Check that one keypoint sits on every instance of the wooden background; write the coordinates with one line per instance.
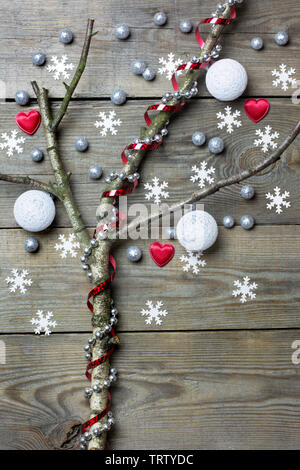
(217, 374)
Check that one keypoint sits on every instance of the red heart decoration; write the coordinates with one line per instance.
(29, 122)
(256, 110)
(161, 254)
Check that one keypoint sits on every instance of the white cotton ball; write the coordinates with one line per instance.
(34, 210)
(226, 80)
(197, 231)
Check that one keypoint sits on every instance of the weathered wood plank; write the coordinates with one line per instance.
(209, 390)
(172, 162)
(35, 26)
(202, 301)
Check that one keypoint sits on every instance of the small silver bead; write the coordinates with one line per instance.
(113, 370)
(215, 55)
(164, 132)
(147, 141)
(94, 243)
(36, 155)
(188, 95)
(138, 67)
(247, 222)
(31, 245)
(113, 321)
(247, 192)
(112, 378)
(205, 56)
(87, 347)
(195, 59)
(282, 38)
(186, 26)
(91, 340)
(88, 356)
(114, 311)
(82, 447)
(149, 74)
(218, 47)
(160, 18)
(38, 58)
(22, 97)
(87, 436)
(65, 36)
(177, 95)
(107, 328)
(216, 145)
(168, 95)
(102, 235)
(88, 392)
(122, 31)
(136, 176)
(122, 175)
(157, 138)
(107, 180)
(257, 43)
(221, 7)
(164, 100)
(96, 432)
(81, 144)
(231, 3)
(198, 138)
(111, 421)
(87, 251)
(118, 96)
(99, 334)
(96, 388)
(106, 383)
(83, 259)
(194, 91)
(95, 172)
(130, 178)
(85, 267)
(82, 440)
(90, 275)
(228, 221)
(109, 414)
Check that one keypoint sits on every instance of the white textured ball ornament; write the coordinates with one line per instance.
(197, 231)
(34, 210)
(226, 80)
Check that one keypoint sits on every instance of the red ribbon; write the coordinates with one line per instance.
(194, 66)
(121, 192)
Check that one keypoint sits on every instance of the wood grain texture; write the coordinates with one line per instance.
(209, 390)
(178, 154)
(202, 301)
(31, 25)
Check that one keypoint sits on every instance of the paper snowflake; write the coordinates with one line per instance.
(67, 246)
(12, 143)
(108, 123)
(43, 322)
(18, 281)
(244, 289)
(156, 190)
(193, 261)
(153, 312)
(266, 139)
(278, 200)
(60, 67)
(202, 174)
(229, 119)
(284, 77)
(169, 66)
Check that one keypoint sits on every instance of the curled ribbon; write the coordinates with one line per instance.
(195, 66)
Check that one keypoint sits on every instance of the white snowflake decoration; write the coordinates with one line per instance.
(202, 174)
(43, 322)
(244, 289)
(67, 246)
(284, 77)
(193, 261)
(60, 67)
(154, 312)
(156, 190)
(169, 65)
(108, 123)
(12, 143)
(278, 200)
(18, 281)
(229, 119)
(266, 139)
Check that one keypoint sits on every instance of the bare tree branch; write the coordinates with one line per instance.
(198, 195)
(77, 75)
(31, 182)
